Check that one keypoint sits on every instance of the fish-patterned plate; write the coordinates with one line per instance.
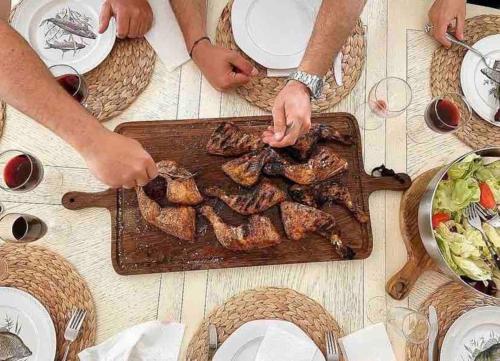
(65, 32)
(27, 332)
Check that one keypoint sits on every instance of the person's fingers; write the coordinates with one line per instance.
(243, 65)
(267, 136)
(130, 184)
(279, 119)
(439, 33)
(134, 28)
(105, 17)
(123, 24)
(151, 169)
(459, 31)
(142, 179)
(237, 79)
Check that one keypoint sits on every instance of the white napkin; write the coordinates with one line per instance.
(280, 345)
(369, 344)
(166, 37)
(150, 341)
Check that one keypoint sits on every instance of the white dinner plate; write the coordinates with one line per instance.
(65, 32)
(27, 325)
(244, 343)
(274, 33)
(471, 333)
(478, 89)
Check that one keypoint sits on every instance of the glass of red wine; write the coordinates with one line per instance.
(16, 227)
(445, 114)
(75, 85)
(21, 171)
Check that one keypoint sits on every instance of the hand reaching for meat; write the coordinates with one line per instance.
(323, 164)
(258, 233)
(246, 169)
(299, 220)
(263, 197)
(230, 141)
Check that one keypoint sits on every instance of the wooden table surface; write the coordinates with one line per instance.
(397, 46)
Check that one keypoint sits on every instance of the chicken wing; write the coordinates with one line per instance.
(263, 197)
(299, 220)
(229, 140)
(258, 233)
(323, 164)
(304, 146)
(246, 169)
(325, 192)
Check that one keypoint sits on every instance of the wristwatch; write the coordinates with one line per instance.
(313, 82)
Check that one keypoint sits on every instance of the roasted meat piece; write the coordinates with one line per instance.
(304, 146)
(246, 169)
(174, 184)
(230, 141)
(299, 220)
(258, 233)
(257, 200)
(323, 164)
(330, 191)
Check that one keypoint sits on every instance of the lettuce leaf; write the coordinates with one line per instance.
(466, 167)
(456, 195)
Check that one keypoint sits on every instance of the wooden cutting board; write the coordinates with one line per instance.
(138, 247)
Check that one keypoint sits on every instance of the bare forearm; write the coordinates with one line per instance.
(334, 24)
(27, 85)
(191, 16)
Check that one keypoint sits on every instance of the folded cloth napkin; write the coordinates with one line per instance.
(166, 37)
(280, 345)
(369, 344)
(150, 341)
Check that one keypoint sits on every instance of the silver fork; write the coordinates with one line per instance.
(474, 219)
(73, 329)
(332, 351)
(213, 341)
(488, 215)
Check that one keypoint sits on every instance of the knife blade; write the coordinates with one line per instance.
(492, 74)
(337, 69)
(433, 334)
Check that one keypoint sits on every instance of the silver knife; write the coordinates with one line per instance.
(433, 334)
(337, 69)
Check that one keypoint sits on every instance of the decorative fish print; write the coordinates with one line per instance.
(12, 348)
(490, 354)
(72, 27)
(65, 46)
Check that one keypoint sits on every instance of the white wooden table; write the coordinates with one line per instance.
(397, 46)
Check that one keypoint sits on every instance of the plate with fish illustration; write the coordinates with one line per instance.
(65, 32)
(474, 336)
(27, 332)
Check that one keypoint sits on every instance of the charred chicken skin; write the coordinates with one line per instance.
(258, 233)
(246, 169)
(317, 195)
(263, 197)
(323, 164)
(299, 220)
(229, 140)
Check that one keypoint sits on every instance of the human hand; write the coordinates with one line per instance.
(444, 15)
(292, 111)
(133, 17)
(119, 161)
(225, 69)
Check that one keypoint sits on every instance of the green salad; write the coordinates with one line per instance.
(462, 246)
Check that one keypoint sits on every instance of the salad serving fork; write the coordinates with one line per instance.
(488, 215)
(472, 214)
(332, 351)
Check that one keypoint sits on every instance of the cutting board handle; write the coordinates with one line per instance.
(81, 200)
(372, 184)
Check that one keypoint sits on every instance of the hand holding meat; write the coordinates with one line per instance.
(133, 17)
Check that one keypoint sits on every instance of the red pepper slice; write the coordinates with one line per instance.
(439, 218)
(487, 199)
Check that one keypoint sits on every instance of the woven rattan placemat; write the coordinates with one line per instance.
(445, 77)
(264, 303)
(262, 90)
(451, 301)
(120, 78)
(56, 284)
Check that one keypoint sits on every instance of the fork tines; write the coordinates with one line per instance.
(332, 353)
(77, 318)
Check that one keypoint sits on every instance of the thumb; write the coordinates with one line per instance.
(105, 17)
(459, 31)
(279, 121)
(243, 65)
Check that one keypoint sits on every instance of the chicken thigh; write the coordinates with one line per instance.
(229, 140)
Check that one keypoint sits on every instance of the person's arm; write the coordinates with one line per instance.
(447, 15)
(335, 21)
(224, 69)
(27, 85)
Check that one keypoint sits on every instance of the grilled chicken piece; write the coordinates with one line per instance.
(246, 169)
(174, 184)
(178, 221)
(304, 146)
(258, 233)
(229, 140)
(263, 197)
(299, 220)
(323, 164)
(317, 195)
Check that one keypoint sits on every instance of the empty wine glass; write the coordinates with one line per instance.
(21, 171)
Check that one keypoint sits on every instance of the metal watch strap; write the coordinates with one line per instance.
(313, 82)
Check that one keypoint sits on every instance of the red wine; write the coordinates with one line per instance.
(73, 85)
(19, 228)
(28, 228)
(442, 116)
(22, 172)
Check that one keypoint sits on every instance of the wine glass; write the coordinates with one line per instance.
(76, 86)
(388, 98)
(16, 227)
(445, 114)
(21, 171)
